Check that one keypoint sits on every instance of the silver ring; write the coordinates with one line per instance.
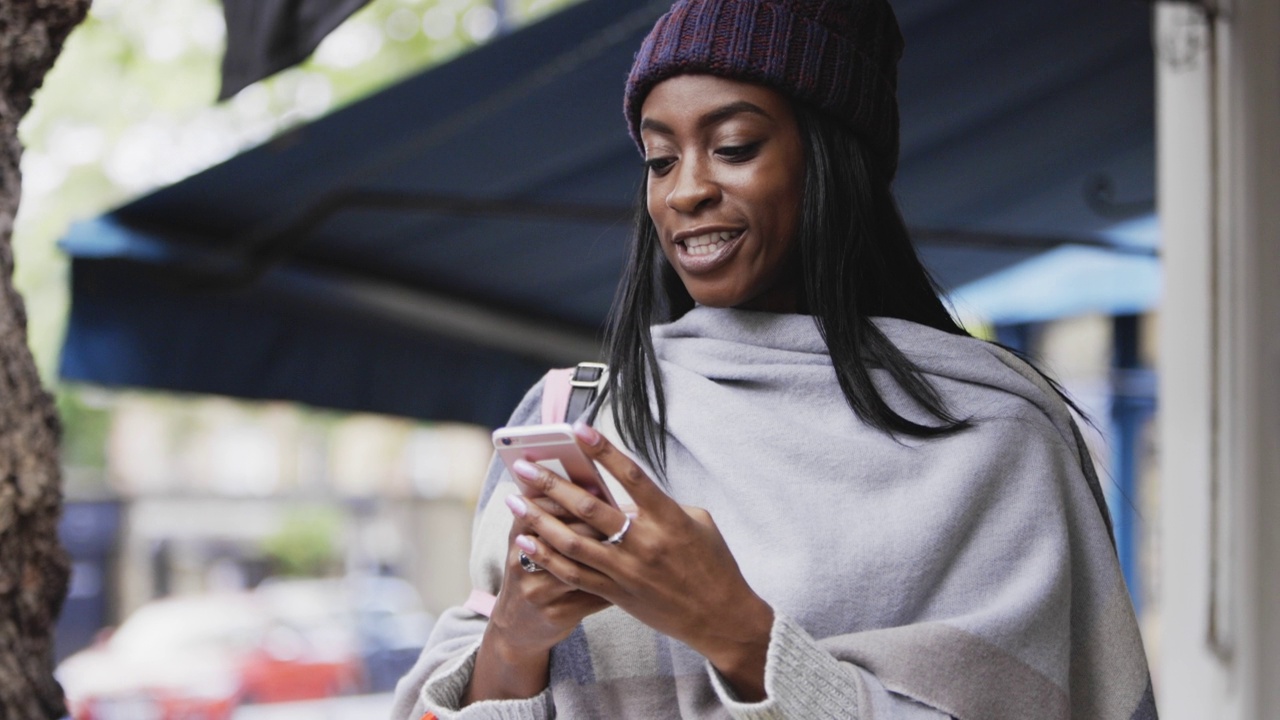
(616, 538)
(528, 564)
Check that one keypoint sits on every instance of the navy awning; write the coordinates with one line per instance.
(430, 250)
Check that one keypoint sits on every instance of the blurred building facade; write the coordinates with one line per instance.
(203, 494)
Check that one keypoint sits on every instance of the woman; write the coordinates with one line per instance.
(844, 506)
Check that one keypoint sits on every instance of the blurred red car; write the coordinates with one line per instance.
(385, 612)
(199, 657)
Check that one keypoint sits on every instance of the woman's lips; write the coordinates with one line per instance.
(707, 251)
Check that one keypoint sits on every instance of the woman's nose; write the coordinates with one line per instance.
(693, 187)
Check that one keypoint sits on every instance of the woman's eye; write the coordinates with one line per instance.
(659, 165)
(739, 153)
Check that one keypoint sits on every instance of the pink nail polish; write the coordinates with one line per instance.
(524, 543)
(517, 505)
(586, 433)
(525, 469)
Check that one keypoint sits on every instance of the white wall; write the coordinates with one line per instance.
(1219, 196)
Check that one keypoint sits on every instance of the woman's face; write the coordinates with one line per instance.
(726, 174)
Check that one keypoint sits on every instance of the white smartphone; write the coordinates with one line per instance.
(553, 447)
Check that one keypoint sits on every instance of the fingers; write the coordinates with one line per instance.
(571, 574)
(578, 503)
(537, 588)
(555, 532)
(540, 591)
(582, 561)
(646, 494)
(553, 508)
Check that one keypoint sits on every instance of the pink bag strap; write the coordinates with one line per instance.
(555, 395)
(481, 603)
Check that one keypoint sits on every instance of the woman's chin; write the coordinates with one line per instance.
(760, 303)
(717, 300)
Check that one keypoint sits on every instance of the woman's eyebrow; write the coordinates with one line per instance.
(714, 117)
(719, 115)
(656, 126)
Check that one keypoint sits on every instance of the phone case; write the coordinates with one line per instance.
(553, 447)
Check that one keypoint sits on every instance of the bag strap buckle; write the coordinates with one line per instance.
(587, 381)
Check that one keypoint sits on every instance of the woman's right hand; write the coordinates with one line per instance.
(533, 612)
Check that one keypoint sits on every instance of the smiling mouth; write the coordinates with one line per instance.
(709, 243)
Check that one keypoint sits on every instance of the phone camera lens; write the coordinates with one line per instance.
(506, 441)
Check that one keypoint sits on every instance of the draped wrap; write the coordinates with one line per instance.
(971, 575)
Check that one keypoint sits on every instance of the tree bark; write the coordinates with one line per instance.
(33, 566)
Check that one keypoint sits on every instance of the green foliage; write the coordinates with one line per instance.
(129, 107)
(87, 446)
(305, 545)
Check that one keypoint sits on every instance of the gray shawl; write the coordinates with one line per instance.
(971, 576)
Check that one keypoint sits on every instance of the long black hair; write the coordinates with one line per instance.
(855, 261)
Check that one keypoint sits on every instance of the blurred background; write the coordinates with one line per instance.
(231, 553)
(281, 326)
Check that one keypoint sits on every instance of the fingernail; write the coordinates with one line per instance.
(586, 433)
(524, 543)
(517, 505)
(525, 469)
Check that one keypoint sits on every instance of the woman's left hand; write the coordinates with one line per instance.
(671, 571)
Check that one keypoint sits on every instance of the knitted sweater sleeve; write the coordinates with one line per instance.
(438, 680)
(803, 680)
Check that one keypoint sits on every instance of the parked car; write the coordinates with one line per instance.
(383, 614)
(199, 657)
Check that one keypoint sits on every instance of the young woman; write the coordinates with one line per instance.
(840, 504)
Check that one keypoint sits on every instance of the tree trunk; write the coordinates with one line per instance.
(33, 567)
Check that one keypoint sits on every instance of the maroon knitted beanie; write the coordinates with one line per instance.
(840, 56)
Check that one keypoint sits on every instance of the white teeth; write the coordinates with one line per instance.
(709, 243)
